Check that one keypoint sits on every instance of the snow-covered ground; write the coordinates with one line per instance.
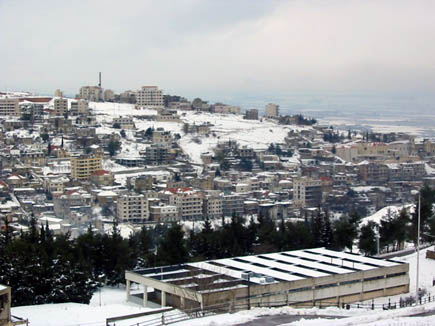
(109, 302)
(255, 133)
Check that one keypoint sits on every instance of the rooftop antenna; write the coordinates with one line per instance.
(99, 84)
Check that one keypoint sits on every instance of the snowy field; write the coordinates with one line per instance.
(225, 127)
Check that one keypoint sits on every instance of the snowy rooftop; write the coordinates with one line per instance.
(265, 268)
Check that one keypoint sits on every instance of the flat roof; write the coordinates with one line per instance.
(268, 268)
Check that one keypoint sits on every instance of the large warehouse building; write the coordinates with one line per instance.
(300, 278)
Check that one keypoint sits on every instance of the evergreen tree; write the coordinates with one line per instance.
(172, 248)
(367, 239)
(345, 232)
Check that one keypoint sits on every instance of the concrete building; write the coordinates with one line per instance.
(164, 213)
(189, 202)
(272, 111)
(307, 192)
(150, 96)
(373, 173)
(91, 93)
(213, 207)
(156, 154)
(251, 114)
(9, 107)
(124, 122)
(132, 208)
(58, 93)
(80, 107)
(127, 97)
(60, 106)
(233, 204)
(82, 167)
(161, 137)
(301, 278)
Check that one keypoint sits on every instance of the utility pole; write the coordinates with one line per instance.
(418, 245)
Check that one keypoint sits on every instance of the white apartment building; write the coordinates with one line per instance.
(150, 96)
(133, 208)
(188, 201)
(272, 111)
(80, 107)
(60, 106)
(9, 107)
(307, 192)
(164, 213)
(91, 93)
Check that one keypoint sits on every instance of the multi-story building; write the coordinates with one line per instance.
(272, 111)
(156, 154)
(102, 178)
(124, 122)
(127, 97)
(251, 114)
(213, 206)
(188, 201)
(91, 93)
(150, 96)
(307, 192)
(57, 184)
(60, 106)
(164, 213)
(80, 107)
(162, 137)
(132, 208)
(82, 167)
(58, 93)
(9, 107)
(224, 108)
(232, 205)
(373, 173)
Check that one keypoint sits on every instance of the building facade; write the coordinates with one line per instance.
(91, 93)
(150, 96)
(307, 192)
(132, 208)
(84, 166)
(60, 106)
(272, 111)
(9, 107)
(188, 201)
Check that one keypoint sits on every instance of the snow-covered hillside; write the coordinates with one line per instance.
(255, 133)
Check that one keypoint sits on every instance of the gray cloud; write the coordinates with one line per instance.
(219, 47)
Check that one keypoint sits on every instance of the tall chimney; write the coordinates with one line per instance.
(99, 84)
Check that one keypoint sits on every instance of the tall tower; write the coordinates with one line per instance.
(99, 83)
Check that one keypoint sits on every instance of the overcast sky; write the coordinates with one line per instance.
(220, 47)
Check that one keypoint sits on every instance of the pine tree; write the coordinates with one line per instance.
(172, 248)
(367, 239)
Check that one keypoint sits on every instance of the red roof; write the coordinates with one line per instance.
(101, 172)
(36, 99)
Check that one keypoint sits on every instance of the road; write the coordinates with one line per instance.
(275, 320)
